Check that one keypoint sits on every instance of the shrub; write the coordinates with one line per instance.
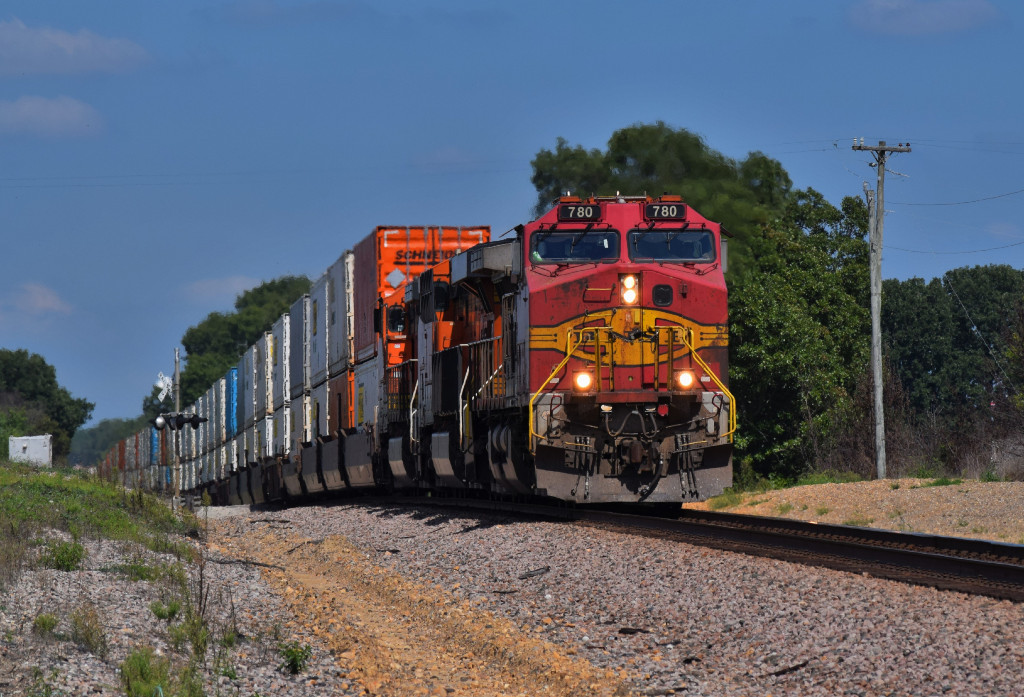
(63, 556)
(165, 612)
(296, 657)
(44, 624)
(87, 629)
(142, 672)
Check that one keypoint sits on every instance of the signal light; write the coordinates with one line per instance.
(630, 289)
(176, 422)
(685, 379)
(582, 381)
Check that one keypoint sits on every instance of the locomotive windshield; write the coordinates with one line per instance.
(672, 245)
(574, 246)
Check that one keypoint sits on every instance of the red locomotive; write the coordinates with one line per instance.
(584, 359)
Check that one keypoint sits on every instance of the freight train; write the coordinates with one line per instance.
(582, 359)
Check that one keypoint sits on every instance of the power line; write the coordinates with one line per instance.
(960, 203)
(977, 331)
(971, 251)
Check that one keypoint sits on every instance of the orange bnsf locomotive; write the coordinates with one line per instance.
(583, 360)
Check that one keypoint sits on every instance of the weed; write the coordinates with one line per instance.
(296, 657)
(136, 570)
(727, 499)
(756, 502)
(961, 523)
(87, 629)
(784, 508)
(803, 507)
(859, 521)
(828, 477)
(44, 624)
(192, 632)
(63, 556)
(142, 672)
(990, 475)
(822, 510)
(40, 687)
(894, 486)
(979, 530)
(896, 513)
(943, 481)
(190, 682)
(165, 612)
(924, 471)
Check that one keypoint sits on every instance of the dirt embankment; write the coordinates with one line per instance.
(982, 510)
(396, 637)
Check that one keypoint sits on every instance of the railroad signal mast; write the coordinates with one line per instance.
(877, 218)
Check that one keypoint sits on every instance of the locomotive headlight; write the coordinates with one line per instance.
(629, 289)
(685, 379)
(582, 381)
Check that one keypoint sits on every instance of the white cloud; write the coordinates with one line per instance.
(34, 51)
(41, 116)
(219, 292)
(35, 299)
(920, 17)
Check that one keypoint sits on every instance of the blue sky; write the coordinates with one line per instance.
(158, 158)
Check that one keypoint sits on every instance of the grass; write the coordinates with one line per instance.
(87, 506)
(165, 612)
(136, 570)
(859, 521)
(63, 556)
(784, 508)
(822, 510)
(33, 500)
(942, 481)
(727, 499)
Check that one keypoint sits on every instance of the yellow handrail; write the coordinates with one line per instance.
(582, 336)
(707, 370)
(568, 355)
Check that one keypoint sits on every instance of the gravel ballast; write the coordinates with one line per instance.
(627, 614)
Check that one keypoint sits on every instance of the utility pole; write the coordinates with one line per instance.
(177, 434)
(876, 219)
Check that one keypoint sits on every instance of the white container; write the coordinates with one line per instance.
(339, 281)
(246, 389)
(298, 352)
(280, 363)
(319, 329)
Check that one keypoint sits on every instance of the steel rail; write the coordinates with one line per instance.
(976, 567)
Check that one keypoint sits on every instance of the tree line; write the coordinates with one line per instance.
(799, 321)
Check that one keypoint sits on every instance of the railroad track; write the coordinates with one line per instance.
(970, 566)
(976, 567)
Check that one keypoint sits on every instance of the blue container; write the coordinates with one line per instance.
(154, 447)
(231, 408)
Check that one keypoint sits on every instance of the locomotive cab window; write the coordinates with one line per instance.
(574, 246)
(672, 245)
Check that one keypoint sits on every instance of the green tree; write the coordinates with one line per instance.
(29, 384)
(799, 328)
(13, 422)
(215, 344)
(655, 158)
(946, 339)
